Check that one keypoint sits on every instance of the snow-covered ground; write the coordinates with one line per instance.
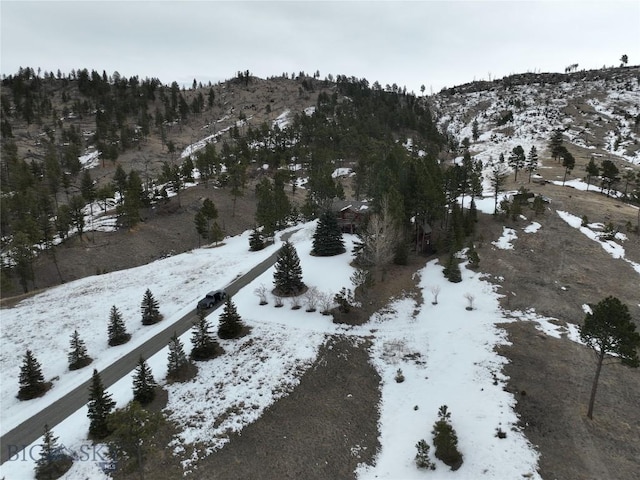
(537, 110)
(446, 354)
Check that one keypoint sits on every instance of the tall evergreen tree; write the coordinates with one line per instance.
(568, 162)
(555, 144)
(117, 332)
(53, 462)
(99, 407)
(177, 361)
(287, 277)
(609, 330)
(150, 312)
(532, 161)
(78, 357)
(517, 160)
(452, 270)
(231, 325)
(592, 171)
(32, 382)
(255, 240)
(144, 386)
(327, 239)
(216, 233)
(205, 346)
(497, 178)
(202, 226)
(609, 173)
(120, 182)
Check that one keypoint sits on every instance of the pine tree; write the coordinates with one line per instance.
(555, 144)
(32, 382)
(445, 440)
(117, 329)
(287, 277)
(230, 321)
(609, 330)
(204, 345)
(133, 431)
(99, 407)
(53, 462)
(422, 457)
(452, 270)
(255, 241)
(216, 233)
(144, 386)
(149, 307)
(327, 239)
(177, 362)
(532, 161)
(78, 357)
(517, 159)
(592, 171)
(202, 226)
(473, 257)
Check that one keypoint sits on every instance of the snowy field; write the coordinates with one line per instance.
(446, 354)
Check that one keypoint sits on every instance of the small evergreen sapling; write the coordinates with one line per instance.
(133, 431)
(150, 312)
(177, 363)
(99, 407)
(204, 345)
(53, 462)
(32, 382)
(78, 357)
(255, 240)
(445, 440)
(144, 386)
(452, 270)
(117, 331)
(422, 457)
(231, 325)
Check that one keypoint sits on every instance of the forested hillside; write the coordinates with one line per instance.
(81, 143)
(88, 153)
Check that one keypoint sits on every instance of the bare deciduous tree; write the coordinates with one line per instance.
(380, 239)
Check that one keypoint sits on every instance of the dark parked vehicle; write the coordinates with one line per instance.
(211, 299)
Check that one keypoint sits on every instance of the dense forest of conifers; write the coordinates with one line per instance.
(46, 189)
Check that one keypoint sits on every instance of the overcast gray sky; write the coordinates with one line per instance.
(435, 43)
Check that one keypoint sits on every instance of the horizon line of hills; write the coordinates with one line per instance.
(511, 79)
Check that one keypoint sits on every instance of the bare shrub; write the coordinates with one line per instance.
(312, 297)
(326, 303)
(278, 301)
(295, 302)
(435, 291)
(470, 298)
(261, 292)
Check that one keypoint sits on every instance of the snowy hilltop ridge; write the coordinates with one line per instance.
(597, 111)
